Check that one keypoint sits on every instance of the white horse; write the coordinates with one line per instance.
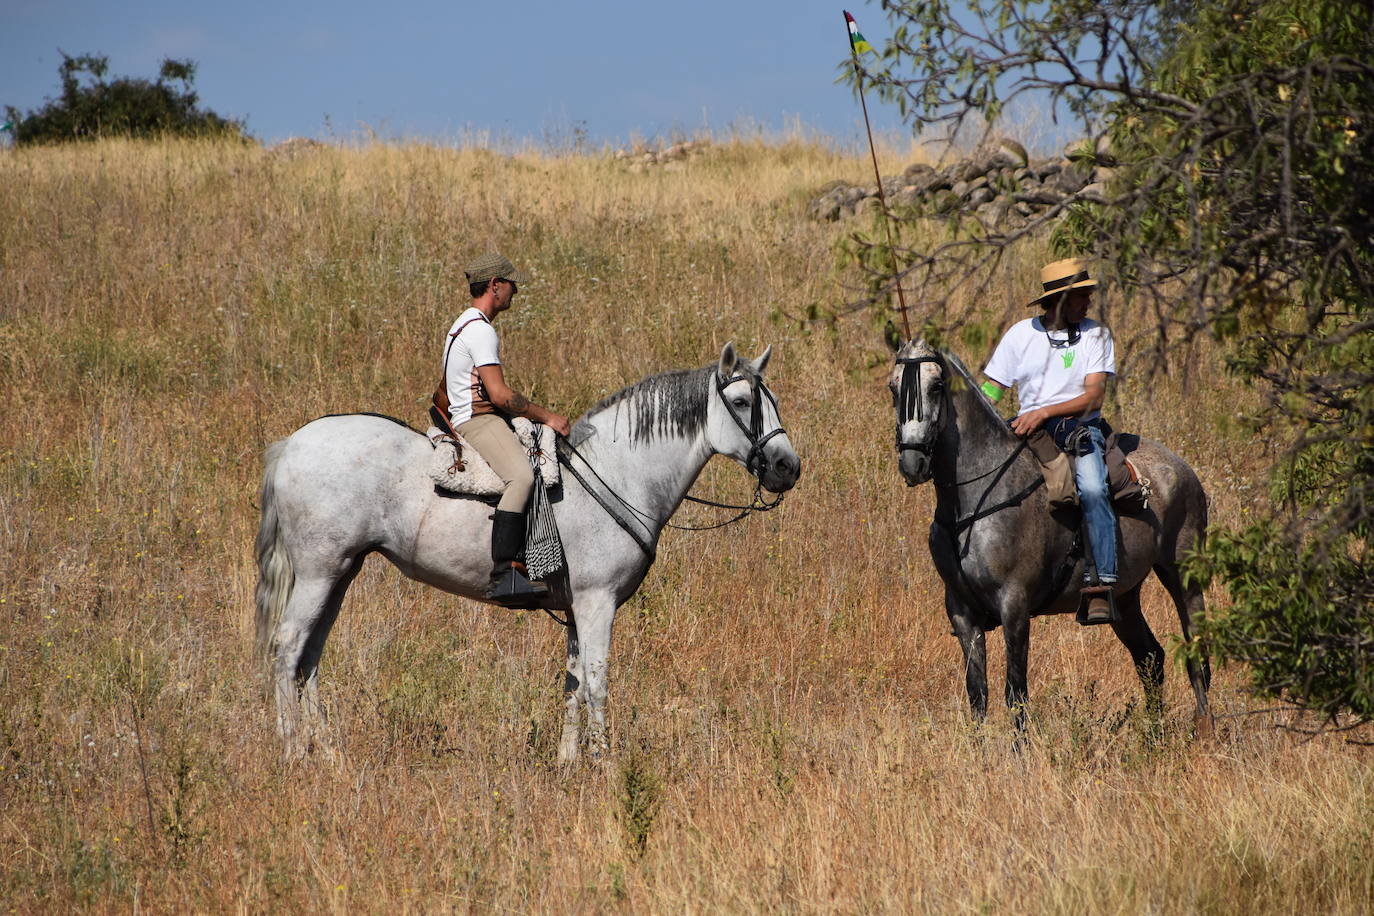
(342, 487)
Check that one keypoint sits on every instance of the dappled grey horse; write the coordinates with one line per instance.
(1004, 558)
(343, 487)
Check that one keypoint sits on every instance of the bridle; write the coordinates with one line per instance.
(911, 405)
(910, 400)
(754, 463)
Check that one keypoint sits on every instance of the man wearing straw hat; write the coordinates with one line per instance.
(1059, 362)
(479, 401)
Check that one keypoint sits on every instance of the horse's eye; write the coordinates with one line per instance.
(741, 402)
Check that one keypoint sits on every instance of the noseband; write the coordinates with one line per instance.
(754, 462)
(910, 400)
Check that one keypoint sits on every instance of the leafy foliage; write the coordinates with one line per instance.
(1239, 206)
(1303, 623)
(120, 107)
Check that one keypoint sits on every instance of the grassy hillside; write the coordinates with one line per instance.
(787, 705)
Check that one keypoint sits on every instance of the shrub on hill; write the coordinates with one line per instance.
(124, 106)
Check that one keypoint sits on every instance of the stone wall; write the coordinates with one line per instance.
(999, 183)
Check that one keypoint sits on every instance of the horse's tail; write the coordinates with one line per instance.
(275, 575)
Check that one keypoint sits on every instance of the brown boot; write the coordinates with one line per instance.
(1099, 609)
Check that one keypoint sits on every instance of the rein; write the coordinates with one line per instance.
(753, 462)
(999, 470)
(565, 450)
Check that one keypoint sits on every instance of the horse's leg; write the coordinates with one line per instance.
(974, 643)
(293, 660)
(595, 615)
(573, 695)
(1146, 653)
(308, 668)
(1189, 601)
(303, 608)
(1016, 636)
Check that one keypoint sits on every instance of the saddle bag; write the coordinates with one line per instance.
(1130, 492)
(439, 414)
(1058, 470)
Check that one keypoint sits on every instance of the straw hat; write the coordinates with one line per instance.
(1062, 276)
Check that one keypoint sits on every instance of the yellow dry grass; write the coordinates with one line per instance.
(787, 706)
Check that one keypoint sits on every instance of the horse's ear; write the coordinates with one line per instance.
(891, 337)
(728, 360)
(760, 362)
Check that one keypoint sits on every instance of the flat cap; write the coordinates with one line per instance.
(490, 266)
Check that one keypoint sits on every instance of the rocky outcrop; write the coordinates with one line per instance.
(999, 183)
(672, 157)
(294, 148)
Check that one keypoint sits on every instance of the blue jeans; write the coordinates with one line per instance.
(1090, 473)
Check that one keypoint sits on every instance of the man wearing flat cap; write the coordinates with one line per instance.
(480, 402)
(1059, 362)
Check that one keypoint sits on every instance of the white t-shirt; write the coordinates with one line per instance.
(476, 345)
(1045, 374)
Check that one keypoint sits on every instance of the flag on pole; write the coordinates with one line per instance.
(856, 39)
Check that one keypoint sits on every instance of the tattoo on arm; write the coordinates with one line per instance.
(517, 403)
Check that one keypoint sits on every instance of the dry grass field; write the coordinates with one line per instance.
(787, 706)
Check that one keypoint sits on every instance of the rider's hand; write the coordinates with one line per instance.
(1029, 421)
(559, 423)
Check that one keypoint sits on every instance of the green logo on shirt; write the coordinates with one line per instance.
(1068, 358)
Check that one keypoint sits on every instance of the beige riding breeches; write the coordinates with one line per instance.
(496, 443)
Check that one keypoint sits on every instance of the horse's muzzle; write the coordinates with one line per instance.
(781, 474)
(914, 465)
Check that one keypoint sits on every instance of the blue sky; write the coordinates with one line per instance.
(448, 71)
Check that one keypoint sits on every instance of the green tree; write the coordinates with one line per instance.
(1240, 202)
(123, 106)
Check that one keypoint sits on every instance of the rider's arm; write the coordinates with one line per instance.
(515, 403)
(1092, 398)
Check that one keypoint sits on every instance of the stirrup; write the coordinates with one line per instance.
(1097, 605)
(510, 588)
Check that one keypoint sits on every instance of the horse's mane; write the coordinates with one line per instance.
(974, 388)
(670, 403)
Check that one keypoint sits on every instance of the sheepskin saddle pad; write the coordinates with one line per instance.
(475, 477)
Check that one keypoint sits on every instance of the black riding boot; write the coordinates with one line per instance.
(509, 586)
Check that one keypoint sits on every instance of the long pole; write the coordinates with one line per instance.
(882, 195)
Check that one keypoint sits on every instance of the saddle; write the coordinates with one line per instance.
(542, 553)
(459, 468)
(1130, 491)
